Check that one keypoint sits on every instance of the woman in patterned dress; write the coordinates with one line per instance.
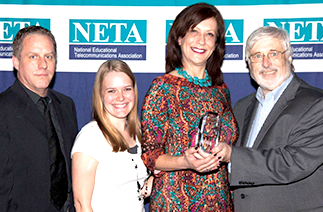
(188, 179)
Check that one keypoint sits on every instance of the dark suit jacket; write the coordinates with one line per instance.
(24, 156)
(283, 171)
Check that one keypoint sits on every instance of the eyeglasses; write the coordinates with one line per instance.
(271, 55)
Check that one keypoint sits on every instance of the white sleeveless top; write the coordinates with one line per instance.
(115, 186)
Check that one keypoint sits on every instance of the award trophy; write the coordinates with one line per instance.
(208, 131)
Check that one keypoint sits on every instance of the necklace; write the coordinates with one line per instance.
(138, 184)
(206, 82)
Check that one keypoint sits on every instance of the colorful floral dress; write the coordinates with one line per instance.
(170, 117)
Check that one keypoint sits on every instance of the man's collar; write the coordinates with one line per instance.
(34, 97)
(276, 93)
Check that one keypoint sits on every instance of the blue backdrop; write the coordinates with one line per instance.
(79, 87)
(76, 77)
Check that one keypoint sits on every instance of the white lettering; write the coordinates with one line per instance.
(86, 34)
(98, 32)
(232, 33)
(295, 30)
(318, 54)
(314, 29)
(4, 26)
(23, 24)
(130, 56)
(136, 35)
(118, 31)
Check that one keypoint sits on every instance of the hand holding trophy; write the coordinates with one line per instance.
(208, 133)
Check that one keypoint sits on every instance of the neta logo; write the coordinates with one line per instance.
(233, 30)
(108, 31)
(300, 29)
(10, 26)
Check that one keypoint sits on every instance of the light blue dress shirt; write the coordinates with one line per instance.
(266, 104)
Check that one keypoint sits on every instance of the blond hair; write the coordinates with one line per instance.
(111, 133)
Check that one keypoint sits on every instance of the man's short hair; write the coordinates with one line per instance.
(268, 31)
(31, 30)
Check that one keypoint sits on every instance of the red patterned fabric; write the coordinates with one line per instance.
(170, 116)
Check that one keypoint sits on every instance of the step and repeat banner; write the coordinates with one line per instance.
(90, 32)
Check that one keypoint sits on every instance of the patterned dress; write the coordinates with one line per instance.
(170, 117)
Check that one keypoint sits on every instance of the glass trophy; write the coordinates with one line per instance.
(208, 131)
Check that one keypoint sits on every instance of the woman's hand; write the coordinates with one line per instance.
(201, 154)
(223, 150)
(193, 158)
(147, 187)
(201, 161)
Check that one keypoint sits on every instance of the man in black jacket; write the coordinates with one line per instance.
(37, 130)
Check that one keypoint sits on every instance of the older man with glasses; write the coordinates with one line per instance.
(277, 163)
